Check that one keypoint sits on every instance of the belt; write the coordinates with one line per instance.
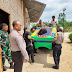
(57, 44)
(15, 51)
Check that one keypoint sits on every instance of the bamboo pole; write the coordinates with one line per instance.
(1, 67)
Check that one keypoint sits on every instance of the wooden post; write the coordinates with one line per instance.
(24, 13)
(1, 66)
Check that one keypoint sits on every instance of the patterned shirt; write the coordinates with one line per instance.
(4, 38)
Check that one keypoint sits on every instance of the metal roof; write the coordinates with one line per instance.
(35, 9)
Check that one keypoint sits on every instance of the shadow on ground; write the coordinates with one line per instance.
(41, 57)
(69, 42)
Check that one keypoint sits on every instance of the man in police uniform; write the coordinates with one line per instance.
(18, 47)
(57, 48)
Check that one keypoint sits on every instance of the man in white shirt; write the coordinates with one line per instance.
(18, 47)
(53, 22)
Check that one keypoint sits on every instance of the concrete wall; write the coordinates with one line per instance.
(27, 19)
(14, 8)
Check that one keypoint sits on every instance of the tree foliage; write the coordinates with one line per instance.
(64, 23)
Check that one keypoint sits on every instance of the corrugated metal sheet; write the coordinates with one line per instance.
(35, 9)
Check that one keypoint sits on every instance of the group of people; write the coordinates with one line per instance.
(16, 47)
(57, 42)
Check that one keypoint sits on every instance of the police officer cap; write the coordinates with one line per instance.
(61, 28)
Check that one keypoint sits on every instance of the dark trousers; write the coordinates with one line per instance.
(17, 58)
(30, 52)
(35, 50)
(56, 54)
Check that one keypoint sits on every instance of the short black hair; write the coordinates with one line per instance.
(53, 16)
(4, 24)
(14, 23)
(32, 29)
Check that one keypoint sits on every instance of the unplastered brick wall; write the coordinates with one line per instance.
(14, 8)
(27, 19)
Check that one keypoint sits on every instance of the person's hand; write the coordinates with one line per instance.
(33, 39)
(27, 59)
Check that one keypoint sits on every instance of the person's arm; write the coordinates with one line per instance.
(37, 25)
(54, 39)
(22, 47)
(62, 38)
(0, 36)
(42, 25)
(56, 24)
(0, 41)
(30, 38)
(51, 25)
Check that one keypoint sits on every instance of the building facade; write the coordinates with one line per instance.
(14, 10)
(21, 10)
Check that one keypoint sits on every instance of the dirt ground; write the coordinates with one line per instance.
(44, 60)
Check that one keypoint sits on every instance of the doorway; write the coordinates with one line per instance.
(4, 18)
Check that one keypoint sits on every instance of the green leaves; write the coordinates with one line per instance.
(64, 23)
(70, 37)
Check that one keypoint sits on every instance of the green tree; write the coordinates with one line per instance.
(47, 24)
(66, 24)
(61, 19)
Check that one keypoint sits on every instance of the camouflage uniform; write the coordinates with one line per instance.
(5, 45)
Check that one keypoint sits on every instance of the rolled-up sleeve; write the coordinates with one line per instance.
(22, 46)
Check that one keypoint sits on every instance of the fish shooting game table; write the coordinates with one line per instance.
(43, 37)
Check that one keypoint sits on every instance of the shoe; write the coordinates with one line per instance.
(11, 65)
(33, 61)
(4, 68)
(55, 67)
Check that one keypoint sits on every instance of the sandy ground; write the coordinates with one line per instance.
(44, 60)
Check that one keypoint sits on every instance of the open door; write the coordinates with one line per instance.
(4, 18)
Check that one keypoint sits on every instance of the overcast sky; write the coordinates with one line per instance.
(54, 7)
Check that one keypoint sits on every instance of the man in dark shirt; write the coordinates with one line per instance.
(29, 47)
(35, 50)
